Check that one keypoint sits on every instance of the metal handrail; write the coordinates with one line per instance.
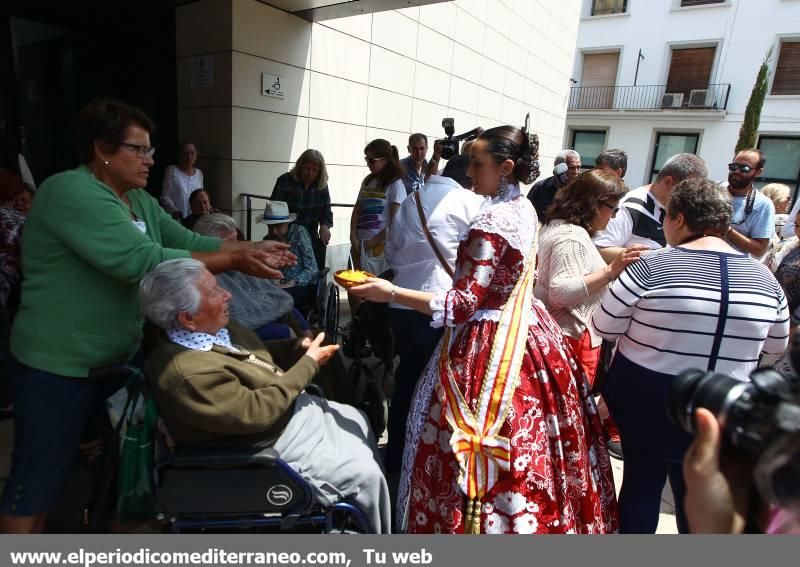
(248, 201)
(651, 97)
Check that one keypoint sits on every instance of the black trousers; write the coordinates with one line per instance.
(416, 341)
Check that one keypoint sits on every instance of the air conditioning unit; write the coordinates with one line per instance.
(672, 100)
(698, 98)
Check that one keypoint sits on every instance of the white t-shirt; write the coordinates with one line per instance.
(178, 187)
(449, 209)
(375, 205)
(639, 221)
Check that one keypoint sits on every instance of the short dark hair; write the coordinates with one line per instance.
(416, 137)
(613, 158)
(577, 203)
(762, 157)
(195, 193)
(381, 148)
(704, 205)
(105, 121)
(456, 169)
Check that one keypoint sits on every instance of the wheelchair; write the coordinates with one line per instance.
(324, 314)
(203, 489)
(200, 489)
(373, 383)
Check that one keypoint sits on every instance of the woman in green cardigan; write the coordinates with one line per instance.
(91, 236)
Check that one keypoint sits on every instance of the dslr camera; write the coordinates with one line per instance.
(450, 143)
(759, 423)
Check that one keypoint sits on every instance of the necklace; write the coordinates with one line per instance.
(750, 201)
(125, 202)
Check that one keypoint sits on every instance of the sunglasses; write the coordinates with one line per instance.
(370, 161)
(741, 167)
(612, 207)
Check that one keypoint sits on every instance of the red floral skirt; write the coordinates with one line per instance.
(560, 479)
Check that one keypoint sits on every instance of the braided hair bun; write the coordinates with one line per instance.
(526, 168)
(517, 145)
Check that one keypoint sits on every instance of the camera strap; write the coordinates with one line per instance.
(428, 235)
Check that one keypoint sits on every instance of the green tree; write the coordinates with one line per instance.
(748, 133)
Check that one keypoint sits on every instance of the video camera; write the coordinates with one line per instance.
(759, 421)
(450, 144)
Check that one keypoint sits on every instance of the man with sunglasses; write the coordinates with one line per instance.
(753, 219)
(642, 210)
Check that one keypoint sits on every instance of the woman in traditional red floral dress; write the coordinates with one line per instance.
(503, 436)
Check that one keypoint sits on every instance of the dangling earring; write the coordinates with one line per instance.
(502, 187)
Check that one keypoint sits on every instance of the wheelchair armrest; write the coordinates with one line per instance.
(208, 457)
(323, 273)
(315, 390)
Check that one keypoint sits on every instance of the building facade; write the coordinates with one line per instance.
(348, 80)
(659, 77)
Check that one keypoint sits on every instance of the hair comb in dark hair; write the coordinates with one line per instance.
(530, 152)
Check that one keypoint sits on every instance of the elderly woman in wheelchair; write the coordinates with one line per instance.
(217, 386)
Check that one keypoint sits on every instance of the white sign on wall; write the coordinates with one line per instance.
(271, 86)
(202, 72)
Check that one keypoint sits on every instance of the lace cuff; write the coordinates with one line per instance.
(442, 308)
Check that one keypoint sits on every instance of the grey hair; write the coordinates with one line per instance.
(683, 166)
(170, 289)
(217, 225)
(561, 157)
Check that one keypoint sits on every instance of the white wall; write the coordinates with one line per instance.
(348, 81)
(744, 31)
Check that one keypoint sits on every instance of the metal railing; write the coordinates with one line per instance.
(650, 97)
(248, 207)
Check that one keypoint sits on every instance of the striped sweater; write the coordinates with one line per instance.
(681, 308)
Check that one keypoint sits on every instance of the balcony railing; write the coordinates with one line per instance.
(650, 97)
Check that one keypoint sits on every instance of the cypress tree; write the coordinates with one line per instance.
(752, 115)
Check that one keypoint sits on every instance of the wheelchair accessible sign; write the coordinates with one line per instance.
(271, 86)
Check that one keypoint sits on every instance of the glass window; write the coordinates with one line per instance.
(783, 161)
(603, 7)
(685, 3)
(589, 144)
(667, 145)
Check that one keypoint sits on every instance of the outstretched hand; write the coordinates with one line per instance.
(321, 354)
(279, 251)
(626, 257)
(258, 263)
(376, 290)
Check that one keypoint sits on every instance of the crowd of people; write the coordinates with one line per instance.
(536, 336)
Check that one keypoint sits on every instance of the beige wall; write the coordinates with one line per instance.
(347, 81)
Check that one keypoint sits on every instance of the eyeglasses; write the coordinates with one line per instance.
(370, 161)
(141, 150)
(614, 209)
(740, 166)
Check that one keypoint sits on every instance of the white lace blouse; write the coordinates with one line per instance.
(566, 255)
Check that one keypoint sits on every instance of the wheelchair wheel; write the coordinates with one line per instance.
(331, 314)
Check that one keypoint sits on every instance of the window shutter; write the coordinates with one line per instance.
(690, 69)
(787, 72)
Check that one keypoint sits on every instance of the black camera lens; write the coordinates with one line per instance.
(695, 388)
